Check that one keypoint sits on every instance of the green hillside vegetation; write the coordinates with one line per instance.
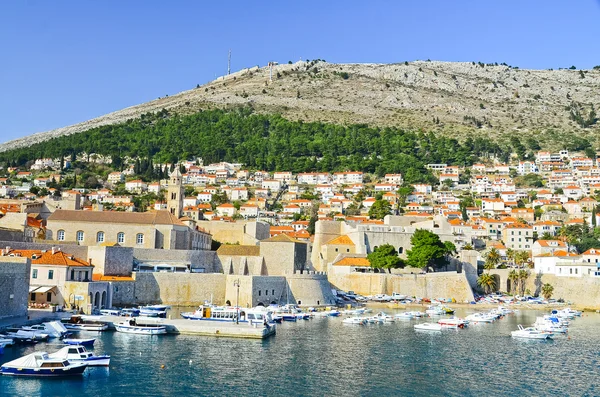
(266, 142)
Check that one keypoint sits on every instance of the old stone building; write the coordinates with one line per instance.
(156, 229)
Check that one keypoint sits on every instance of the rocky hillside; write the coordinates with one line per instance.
(448, 97)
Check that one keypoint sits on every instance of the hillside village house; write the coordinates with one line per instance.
(62, 279)
(518, 236)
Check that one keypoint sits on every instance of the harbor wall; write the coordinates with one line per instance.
(431, 285)
(310, 289)
(583, 292)
(197, 258)
(14, 286)
(179, 289)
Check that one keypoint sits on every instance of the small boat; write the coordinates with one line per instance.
(354, 321)
(82, 342)
(6, 341)
(110, 312)
(428, 327)
(435, 310)
(230, 314)
(531, 333)
(385, 317)
(132, 327)
(40, 364)
(23, 336)
(54, 329)
(453, 322)
(78, 354)
(84, 323)
(404, 316)
(130, 312)
(549, 326)
(16, 338)
(480, 318)
(417, 314)
(154, 311)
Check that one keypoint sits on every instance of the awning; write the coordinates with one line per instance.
(41, 290)
(33, 288)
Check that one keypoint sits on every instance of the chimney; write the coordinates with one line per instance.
(53, 250)
(90, 260)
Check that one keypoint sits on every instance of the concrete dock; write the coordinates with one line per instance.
(204, 328)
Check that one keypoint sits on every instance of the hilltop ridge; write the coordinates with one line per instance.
(448, 97)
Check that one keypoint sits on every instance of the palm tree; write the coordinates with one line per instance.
(468, 247)
(510, 255)
(492, 259)
(521, 257)
(523, 276)
(487, 282)
(513, 277)
(547, 291)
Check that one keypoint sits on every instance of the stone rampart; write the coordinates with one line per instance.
(310, 289)
(198, 259)
(432, 285)
(14, 286)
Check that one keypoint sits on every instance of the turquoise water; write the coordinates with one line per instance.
(322, 357)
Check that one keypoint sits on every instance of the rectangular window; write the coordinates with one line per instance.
(50, 274)
(33, 296)
(34, 273)
(49, 297)
(72, 274)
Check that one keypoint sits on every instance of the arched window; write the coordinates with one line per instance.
(60, 235)
(100, 237)
(120, 237)
(139, 239)
(80, 236)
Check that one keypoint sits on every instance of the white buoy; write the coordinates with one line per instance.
(190, 362)
(140, 354)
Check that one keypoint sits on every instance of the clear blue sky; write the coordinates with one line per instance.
(66, 61)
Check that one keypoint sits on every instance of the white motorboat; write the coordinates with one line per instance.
(78, 354)
(110, 312)
(531, 333)
(154, 310)
(453, 322)
(549, 326)
(428, 327)
(6, 341)
(40, 364)
(354, 321)
(418, 314)
(404, 316)
(132, 327)
(24, 334)
(54, 329)
(231, 314)
(480, 318)
(385, 317)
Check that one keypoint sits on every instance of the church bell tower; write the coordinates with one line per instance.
(175, 193)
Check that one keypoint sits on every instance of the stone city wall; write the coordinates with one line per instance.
(310, 289)
(432, 285)
(584, 291)
(198, 259)
(14, 286)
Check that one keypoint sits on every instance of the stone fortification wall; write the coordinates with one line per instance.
(255, 290)
(111, 261)
(241, 265)
(78, 250)
(8, 236)
(584, 292)
(240, 232)
(310, 289)
(198, 259)
(432, 285)
(14, 286)
(180, 289)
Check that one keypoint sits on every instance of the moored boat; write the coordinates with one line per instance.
(82, 342)
(354, 321)
(40, 364)
(531, 333)
(84, 323)
(54, 329)
(78, 354)
(229, 314)
(132, 327)
(428, 327)
(154, 310)
(404, 316)
(453, 322)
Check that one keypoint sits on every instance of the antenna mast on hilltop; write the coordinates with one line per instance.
(229, 63)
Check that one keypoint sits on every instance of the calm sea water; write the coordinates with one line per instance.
(323, 357)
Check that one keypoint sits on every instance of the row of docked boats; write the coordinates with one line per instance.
(547, 326)
(457, 323)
